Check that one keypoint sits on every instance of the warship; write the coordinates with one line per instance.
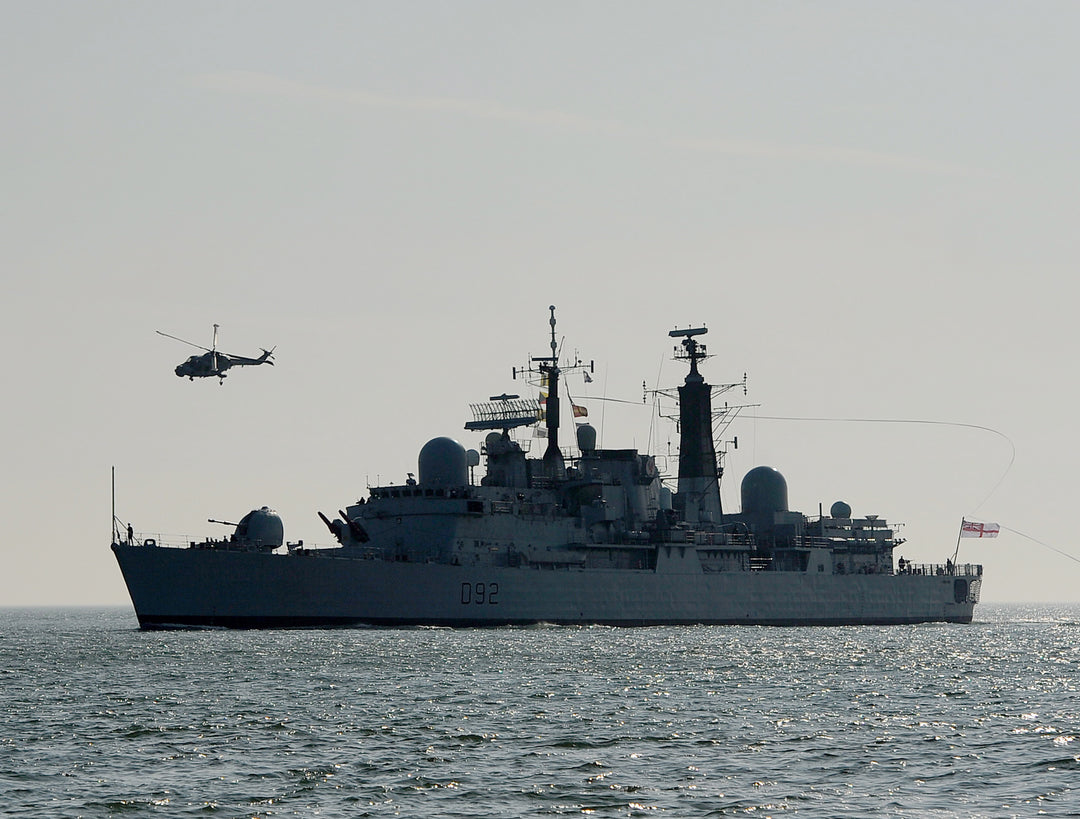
(583, 536)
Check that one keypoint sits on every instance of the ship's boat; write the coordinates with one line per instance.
(583, 536)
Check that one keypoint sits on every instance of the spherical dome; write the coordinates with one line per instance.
(586, 437)
(840, 510)
(261, 527)
(443, 462)
(496, 443)
(764, 490)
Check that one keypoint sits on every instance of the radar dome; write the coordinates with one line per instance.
(586, 438)
(764, 490)
(261, 527)
(840, 510)
(496, 443)
(443, 462)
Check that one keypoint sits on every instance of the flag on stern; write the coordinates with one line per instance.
(970, 528)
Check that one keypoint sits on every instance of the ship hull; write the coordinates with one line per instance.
(178, 588)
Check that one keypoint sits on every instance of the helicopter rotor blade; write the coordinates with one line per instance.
(183, 341)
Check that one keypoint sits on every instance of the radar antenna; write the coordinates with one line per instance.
(693, 350)
(504, 412)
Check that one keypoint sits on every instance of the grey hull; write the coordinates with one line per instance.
(219, 588)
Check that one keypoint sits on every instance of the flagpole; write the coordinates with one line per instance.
(958, 536)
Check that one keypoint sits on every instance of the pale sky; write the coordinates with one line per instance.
(872, 206)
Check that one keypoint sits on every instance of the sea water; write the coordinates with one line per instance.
(98, 718)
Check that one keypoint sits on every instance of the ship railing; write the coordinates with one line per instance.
(834, 542)
(818, 542)
(942, 569)
(173, 541)
(729, 540)
(158, 539)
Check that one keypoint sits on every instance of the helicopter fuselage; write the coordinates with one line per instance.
(203, 366)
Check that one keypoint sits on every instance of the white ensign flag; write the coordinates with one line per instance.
(972, 529)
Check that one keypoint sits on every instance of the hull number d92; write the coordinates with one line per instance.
(480, 594)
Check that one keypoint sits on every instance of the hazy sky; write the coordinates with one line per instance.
(873, 207)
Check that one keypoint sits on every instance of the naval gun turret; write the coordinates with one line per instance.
(259, 530)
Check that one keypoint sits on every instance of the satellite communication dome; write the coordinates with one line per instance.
(586, 437)
(764, 490)
(443, 462)
(261, 527)
(840, 510)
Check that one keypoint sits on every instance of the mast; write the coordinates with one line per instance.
(699, 484)
(554, 466)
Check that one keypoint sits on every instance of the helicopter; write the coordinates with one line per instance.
(212, 363)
